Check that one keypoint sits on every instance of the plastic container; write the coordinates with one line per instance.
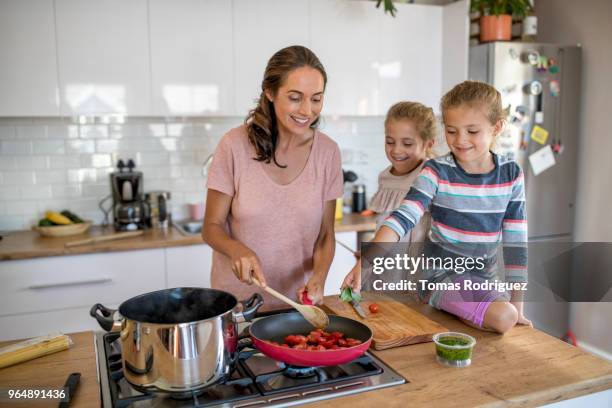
(454, 349)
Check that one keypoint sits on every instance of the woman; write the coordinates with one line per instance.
(272, 188)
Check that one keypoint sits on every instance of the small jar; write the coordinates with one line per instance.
(359, 198)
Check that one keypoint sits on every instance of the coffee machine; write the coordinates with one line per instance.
(129, 210)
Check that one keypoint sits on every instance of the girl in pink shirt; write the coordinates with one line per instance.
(272, 188)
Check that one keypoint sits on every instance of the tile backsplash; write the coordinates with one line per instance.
(55, 164)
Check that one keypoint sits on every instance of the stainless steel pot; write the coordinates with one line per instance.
(177, 340)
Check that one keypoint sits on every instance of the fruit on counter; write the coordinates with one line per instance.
(72, 216)
(373, 308)
(57, 218)
(64, 218)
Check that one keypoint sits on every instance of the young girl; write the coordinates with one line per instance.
(476, 199)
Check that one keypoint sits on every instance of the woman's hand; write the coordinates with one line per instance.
(313, 291)
(246, 265)
(353, 279)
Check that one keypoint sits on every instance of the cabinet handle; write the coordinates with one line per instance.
(73, 283)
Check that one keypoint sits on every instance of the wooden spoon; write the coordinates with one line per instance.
(313, 314)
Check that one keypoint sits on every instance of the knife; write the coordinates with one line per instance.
(71, 384)
(358, 309)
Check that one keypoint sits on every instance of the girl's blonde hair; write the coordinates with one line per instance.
(475, 94)
(422, 116)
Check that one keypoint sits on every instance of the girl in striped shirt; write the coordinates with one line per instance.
(477, 201)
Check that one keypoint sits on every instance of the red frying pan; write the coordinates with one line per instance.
(277, 327)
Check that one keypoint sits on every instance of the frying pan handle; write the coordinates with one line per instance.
(104, 316)
(249, 307)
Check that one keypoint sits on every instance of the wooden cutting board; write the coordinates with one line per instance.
(394, 325)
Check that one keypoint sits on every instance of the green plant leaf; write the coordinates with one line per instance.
(347, 295)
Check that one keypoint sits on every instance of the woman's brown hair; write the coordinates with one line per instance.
(422, 116)
(261, 121)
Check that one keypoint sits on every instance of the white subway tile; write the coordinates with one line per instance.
(82, 176)
(66, 191)
(7, 163)
(139, 145)
(179, 130)
(93, 131)
(32, 162)
(95, 160)
(14, 178)
(29, 132)
(80, 146)
(36, 193)
(192, 143)
(125, 131)
(10, 193)
(7, 132)
(155, 130)
(102, 174)
(49, 147)
(152, 159)
(181, 158)
(12, 223)
(107, 146)
(15, 147)
(20, 207)
(63, 131)
(196, 197)
(168, 144)
(65, 162)
(56, 204)
(96, 190)
(50, 177)
(192, 171)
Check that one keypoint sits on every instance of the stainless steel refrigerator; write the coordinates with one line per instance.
(540, 87)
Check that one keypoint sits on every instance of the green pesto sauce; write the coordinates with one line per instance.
(453, 354)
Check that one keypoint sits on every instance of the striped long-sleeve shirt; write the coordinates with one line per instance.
(470, 209)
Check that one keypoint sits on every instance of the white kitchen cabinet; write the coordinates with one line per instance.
(103, 53)
(191, 57)
(345, 35)
(410, 64)
(188, 266)
(342, 264)
(40, 293)
(28, 72)
(260, 29)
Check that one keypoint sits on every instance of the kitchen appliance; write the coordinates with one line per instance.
(177, 340)
(359, 198)
(257, 380)
(129, 210)
(540, 87)
(394, 325)
(158, 209)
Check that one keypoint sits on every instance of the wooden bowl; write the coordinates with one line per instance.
(63, 230)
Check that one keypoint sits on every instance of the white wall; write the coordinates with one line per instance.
(55, 164)
(588, 23)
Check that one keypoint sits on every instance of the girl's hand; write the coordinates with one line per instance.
(246, 265)
(521, 317)
(353, 279)
(313, 291)
(524, 321)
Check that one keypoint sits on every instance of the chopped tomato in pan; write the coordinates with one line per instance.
(318, 340)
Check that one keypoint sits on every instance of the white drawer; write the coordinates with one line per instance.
(62, 282)
(38, 324)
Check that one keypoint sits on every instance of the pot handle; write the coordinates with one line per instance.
(249, 308)
(103, 315)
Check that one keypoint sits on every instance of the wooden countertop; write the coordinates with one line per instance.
(51, 372)
(29, 244)
(525, 367)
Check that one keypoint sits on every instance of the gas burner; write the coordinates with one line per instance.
(256, 380)
(299, 372)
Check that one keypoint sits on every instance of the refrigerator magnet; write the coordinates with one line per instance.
(539, 134)
(555, 88)
(541, 160)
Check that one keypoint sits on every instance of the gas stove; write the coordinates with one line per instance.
(256, 381)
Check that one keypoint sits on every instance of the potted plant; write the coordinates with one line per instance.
(496, 17)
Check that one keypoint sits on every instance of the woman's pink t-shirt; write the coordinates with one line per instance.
(280, 223)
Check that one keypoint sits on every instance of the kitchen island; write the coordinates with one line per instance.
(525, 367)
